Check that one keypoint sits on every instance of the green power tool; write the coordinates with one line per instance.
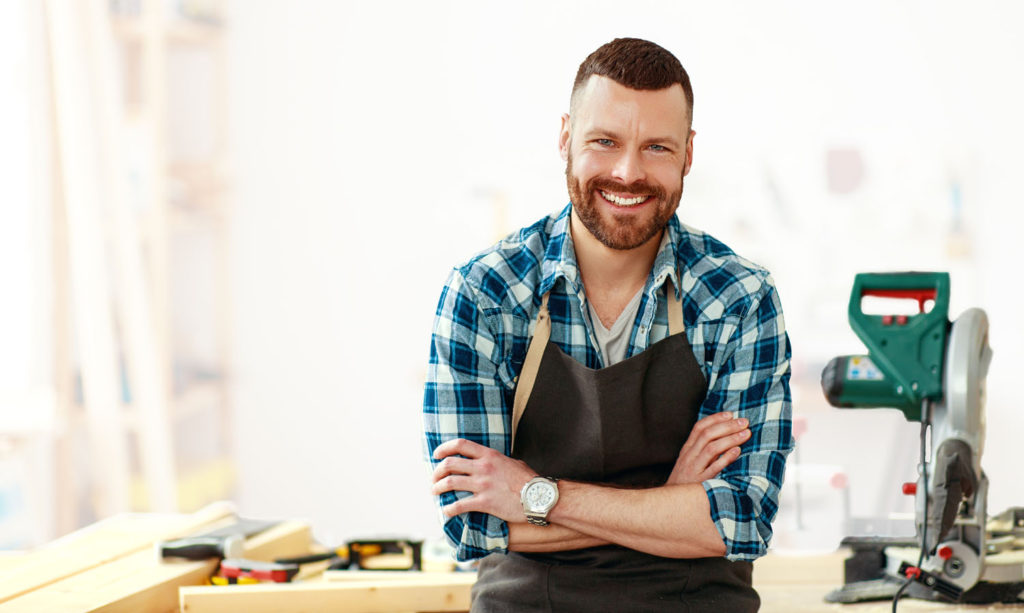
(934, 371)
(905, 352)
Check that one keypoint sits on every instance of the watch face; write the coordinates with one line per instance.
(540, 496)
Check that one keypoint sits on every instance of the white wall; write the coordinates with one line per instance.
(372, 140)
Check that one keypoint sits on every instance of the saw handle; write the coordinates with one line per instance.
(920, 295)
(919, 286)
(907, 349)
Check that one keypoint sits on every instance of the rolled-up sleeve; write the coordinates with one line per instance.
(752, 381)
(464, 397)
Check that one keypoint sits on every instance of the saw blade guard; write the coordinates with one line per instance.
(961, 414)
(958, 437)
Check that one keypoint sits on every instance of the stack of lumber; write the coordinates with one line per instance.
(112, 566)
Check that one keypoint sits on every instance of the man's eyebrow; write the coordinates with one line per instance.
(600, 133)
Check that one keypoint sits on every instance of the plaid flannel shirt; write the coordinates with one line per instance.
(734, 325)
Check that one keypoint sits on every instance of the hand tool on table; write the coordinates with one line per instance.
(934, 372)
(282, 570)
(224, 542)
(219, 580)
(238, 569)
(385, 554)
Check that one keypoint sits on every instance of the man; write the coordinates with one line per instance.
(607, 406)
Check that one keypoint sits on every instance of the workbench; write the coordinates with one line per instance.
(112, 567)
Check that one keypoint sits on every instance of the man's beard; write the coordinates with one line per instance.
(624, 231)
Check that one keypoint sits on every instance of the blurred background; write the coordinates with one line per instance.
(225, 226)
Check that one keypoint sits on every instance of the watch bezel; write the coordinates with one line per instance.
(538, 516)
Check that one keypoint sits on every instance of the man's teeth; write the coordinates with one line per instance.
(623, 201)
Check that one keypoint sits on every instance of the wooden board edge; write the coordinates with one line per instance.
(352, 597)
(140, 582)
(84, 549)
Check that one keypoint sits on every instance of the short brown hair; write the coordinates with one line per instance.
(636, 64)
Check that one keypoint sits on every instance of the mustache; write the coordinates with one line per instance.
(639, 188)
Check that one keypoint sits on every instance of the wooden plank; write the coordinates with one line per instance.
(10, 560)
(391, 575)
(142, 582)
(155, 194)
(287, 539)
(150, 388)
(447, 592)
(103, 542)
(802, 590)
(65, 499)
(783, 569)
(93, 315)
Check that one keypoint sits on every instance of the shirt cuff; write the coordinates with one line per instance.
(476, 535)
(738, 519)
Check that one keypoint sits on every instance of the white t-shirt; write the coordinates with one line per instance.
(614, 342)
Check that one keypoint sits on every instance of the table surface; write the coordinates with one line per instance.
(798, 584)
(787, 583)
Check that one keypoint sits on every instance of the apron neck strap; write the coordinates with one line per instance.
(528, 373)
(675, 310)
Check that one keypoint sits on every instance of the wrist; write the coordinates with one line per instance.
(567, 491)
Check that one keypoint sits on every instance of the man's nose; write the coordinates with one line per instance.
(628, 167)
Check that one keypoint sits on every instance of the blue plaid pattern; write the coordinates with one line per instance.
(733, 322)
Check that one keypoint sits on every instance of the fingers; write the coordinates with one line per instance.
(709, 428)
(454, 473)
(492, 480)
(713, 419)
(452, 483)
(722, 429)
(711, 454)
(715, 428)
(713, 444)
(722, 444)
(460, 446)
(719, 464)
(452, 465)
(465, 505)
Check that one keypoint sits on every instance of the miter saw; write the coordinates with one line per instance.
(934, 372)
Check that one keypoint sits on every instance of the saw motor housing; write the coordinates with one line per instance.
(905, 352)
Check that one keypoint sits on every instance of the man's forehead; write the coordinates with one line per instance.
(602, 99)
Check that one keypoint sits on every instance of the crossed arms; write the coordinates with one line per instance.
(588, 515)
(720, 498)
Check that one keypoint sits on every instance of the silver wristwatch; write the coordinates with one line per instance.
(539, 496)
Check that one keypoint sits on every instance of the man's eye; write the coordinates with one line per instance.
(604, 142)
(658, 148)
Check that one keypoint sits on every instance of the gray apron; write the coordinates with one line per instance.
(621, 425)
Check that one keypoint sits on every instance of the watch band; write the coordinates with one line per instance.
(537, 520)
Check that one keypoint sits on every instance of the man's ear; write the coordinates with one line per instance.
(564, 137)
(689, 153)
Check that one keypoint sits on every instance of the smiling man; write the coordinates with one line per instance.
(607, 406)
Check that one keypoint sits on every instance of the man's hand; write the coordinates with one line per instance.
(713, 444)
(494, 479)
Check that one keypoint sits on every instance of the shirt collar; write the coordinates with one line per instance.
(560, 256)
(666, 263)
